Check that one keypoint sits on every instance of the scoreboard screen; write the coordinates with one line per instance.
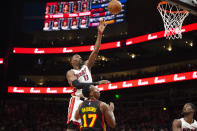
(79, 14)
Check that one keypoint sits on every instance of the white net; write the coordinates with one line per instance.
(173, 18)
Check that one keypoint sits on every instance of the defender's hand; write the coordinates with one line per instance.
(104, 82)
(111, 106)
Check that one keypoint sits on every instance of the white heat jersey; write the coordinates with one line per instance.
(188, 127)
(83, 75)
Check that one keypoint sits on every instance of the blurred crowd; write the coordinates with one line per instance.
(154, 113)
(32, 116)
(25, 116)
(133, 112)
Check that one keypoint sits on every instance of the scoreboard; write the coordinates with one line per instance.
(81, 14)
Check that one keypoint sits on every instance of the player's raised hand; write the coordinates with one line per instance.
(104, 82)
(111, 106)
(101, 26)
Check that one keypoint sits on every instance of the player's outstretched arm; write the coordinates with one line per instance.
(108, 111)
(92, 58)
(176, 125)
(72, 80)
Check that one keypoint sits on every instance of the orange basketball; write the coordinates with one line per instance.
(114, 7)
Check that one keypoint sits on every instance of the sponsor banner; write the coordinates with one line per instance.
(111, 45)
(65, 49)
(158, 35)
(112, 86)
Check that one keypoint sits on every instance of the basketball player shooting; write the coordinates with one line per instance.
(93, 112)
(187, 123)
(80, 76)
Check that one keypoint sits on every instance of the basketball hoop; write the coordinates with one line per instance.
(173, 18)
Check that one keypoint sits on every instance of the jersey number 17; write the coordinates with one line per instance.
(89, 116)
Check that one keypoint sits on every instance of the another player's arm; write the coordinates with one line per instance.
(107, 110)
(77, 115)
(176, 125)
(92, 58)
(72, 80)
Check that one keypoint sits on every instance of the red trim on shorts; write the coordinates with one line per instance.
(103, 122)
(70, 110)
(76, 123)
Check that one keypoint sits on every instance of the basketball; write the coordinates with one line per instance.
(114, 7)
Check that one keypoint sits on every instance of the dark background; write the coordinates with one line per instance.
(22, 27)
(143, 18)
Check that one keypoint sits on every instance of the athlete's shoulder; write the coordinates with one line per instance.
(103, 106)
(181, 120)
(102, 103)
(177, 122)
(70, 72)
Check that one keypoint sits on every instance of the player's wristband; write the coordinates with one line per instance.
(80, 85)
(100, 33)
(96, 83)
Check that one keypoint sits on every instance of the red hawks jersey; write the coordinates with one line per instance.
(84, 76)
(188, 127)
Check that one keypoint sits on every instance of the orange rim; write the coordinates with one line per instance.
(174, 12)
